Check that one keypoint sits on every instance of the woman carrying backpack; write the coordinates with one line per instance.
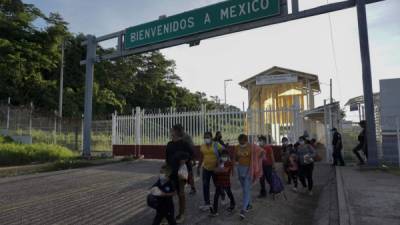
(306, 157)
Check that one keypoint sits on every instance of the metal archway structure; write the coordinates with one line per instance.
(216, 20)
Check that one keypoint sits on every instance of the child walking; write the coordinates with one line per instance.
(222, 183)
(164, 190)
(293, 169)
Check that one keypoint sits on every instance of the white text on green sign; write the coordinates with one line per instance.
(200, 20)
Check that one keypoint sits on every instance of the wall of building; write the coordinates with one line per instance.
(390, 119)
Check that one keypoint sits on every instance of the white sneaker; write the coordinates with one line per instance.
(205, 208)
(242, 215)
(294, 190)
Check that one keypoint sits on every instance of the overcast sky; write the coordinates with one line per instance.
(303, 45)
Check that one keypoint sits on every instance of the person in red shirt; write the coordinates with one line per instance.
(268, 165)
(223, 182)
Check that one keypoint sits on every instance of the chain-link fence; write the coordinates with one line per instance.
(25, 123)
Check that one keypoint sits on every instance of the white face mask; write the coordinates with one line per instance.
(207, 140)
(224, 159)
(301, 142)
(285, 143)
(261, 143)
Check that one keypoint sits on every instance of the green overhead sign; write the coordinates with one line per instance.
(200, 20)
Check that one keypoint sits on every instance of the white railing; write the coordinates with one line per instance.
(143, 128)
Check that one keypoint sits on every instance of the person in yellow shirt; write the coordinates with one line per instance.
(209, 156)
(249, 167)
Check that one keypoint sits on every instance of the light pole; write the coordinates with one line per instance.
(225, 83)
(60, 101)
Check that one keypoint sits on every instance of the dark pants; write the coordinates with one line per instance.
(292, 175)
(305, 173)
(219, 191)
(337, 156)
(206, 177)
(267, 176)
(286, 169)
(165, 211)
(356, 152)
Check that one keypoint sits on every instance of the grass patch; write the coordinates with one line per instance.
(12, 154)
(73, 163)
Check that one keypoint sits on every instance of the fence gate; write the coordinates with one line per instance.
(143, 128)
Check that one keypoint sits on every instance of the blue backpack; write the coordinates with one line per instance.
(276, 184)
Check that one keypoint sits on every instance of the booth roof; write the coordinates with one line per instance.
(276, 70)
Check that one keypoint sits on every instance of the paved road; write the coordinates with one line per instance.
(115, 194)
(371, 197)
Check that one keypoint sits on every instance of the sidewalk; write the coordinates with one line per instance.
(368, 197)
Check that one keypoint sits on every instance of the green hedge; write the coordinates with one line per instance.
(20, 154)
(5, 139)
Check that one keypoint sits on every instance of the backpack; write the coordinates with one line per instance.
(152, 201)
(276, 183)
(216, 152)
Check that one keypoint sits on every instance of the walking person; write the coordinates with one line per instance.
(267, 165)
(293, 168)
(337, 148)
(223, 183)
(286, 148)
(164, 191)
(306, 154)
(249, 168)
(178, 151)
(218, 139)
(209, 157)
(191, 163)
(362, 143)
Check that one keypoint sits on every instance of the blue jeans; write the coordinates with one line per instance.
(245, 183)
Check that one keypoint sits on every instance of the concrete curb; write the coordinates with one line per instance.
(344, 211)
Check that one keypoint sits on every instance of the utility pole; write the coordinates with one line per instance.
(330, 89)
(8, 114)
(225, 84)
(87, 120)
(367, 83)
(60, 102)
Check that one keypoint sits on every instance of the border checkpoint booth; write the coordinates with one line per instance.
(277, 97)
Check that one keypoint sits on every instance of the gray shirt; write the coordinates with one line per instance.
(303, 150)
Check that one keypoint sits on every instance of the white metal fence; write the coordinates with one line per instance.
(142, 128)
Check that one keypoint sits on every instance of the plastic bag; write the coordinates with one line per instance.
(155, 191)
(183, 172)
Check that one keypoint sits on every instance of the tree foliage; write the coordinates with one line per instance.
(30, 59)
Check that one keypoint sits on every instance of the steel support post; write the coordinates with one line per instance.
(87, 126)
(367, 83)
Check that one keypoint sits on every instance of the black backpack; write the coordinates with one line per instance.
(152, 201)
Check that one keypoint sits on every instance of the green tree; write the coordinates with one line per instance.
(30, 59)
